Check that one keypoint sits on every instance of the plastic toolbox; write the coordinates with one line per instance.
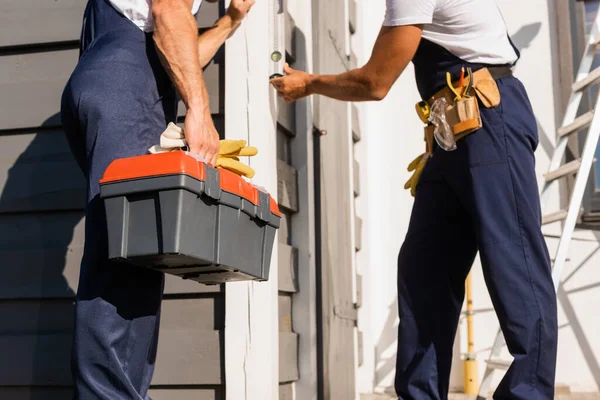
(173, 213)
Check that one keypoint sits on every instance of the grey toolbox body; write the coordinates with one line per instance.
(173, 213)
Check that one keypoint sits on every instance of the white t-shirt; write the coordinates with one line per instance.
(473, 30)
(140, 11)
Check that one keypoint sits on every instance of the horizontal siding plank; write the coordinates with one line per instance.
(42, 77)
(288, 357)
(287, 266)
(38, 172)
(40, 21)
(186, 394)
(208, 14)
(176, 285)
(39, 317)
(26, 22)
(356, 178)
(356, 133)
(62, 393)
(287, 186)
(187, 357)
(361, 347)
(359, 290)
(285, 313)
(286, 116)
(41, 257)
(286, 391)
(27, 317)
(353, 16)
(33, 77)
(357, 233)
(290, 38)
(284, 227)
(184, 358)
(36, 393)
(41, 254)
(212, 79)
(203, 314)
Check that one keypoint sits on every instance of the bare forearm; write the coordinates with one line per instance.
(210, 41)
(354, 85)
(176, 38)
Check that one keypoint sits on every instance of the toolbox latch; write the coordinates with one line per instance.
(212, 186)
(263, 210)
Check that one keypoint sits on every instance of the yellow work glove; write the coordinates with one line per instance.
(229, 157)
(416, 165)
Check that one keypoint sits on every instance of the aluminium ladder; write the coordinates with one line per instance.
(586, 77)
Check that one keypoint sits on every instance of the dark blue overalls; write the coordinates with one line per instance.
(116, 104)
(481, 197)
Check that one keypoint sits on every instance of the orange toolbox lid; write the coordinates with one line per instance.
(180, 163)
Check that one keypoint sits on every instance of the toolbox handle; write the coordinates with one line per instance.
(212, 185)
(263, 209)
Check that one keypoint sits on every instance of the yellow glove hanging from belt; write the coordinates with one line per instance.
(173, 138)
(229, 157)
(417, 166)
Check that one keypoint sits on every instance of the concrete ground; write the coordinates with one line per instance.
(458, 396)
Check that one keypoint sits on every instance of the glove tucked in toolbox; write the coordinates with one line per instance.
(176, 214)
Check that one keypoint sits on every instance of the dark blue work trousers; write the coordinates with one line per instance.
(116, 104)
(481, 197)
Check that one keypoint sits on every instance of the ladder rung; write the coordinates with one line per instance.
(567, 169)
(498, 364)
(596, 42)
(579, 123)
(592, 78)
(555, 216)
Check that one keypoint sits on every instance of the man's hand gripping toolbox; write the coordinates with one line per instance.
(173, 213)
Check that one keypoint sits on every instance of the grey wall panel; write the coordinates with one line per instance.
(288, 268)
(39, 79)
(31, 86)
(212, 81)
(35, 317)
(203, 314)
(24, 22)
(286, 391)
(63, 393)
(35, 393)
(184, 358)
(38, 172)
(285, 312)
(189, 357)
(208, 14)
(287, 186)
(288, 357)
(38, 273)
(174, 284)
(39, 21)
(186, 394)
(56, 315)
(41, 256)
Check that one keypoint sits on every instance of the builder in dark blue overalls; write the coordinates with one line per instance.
(475, 190)
(137, 56)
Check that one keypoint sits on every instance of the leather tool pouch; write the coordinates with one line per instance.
(463, 116)
(486, 89)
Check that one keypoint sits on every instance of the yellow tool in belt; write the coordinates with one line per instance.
(465, 93)
(423, 111)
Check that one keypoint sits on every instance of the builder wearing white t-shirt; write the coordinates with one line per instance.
(136, 57)
(475, 190)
